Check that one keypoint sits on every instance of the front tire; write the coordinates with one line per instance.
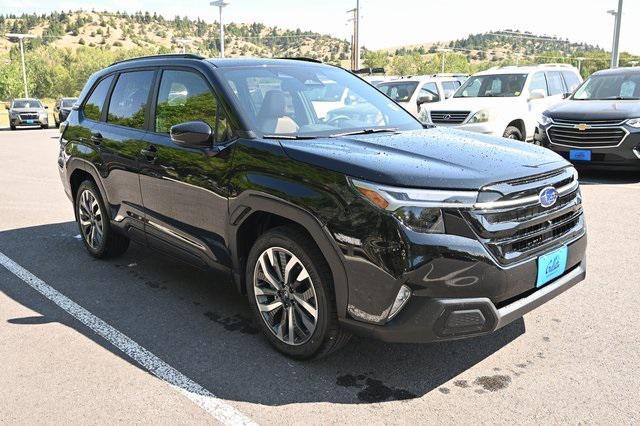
(290, 290)
(513, 132)
(98, 237)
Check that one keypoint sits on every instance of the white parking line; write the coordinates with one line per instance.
(216, 407)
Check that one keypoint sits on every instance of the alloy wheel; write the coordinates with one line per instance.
(90, 219)
(285, 296)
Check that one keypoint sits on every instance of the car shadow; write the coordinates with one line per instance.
(195, 321)
(608, 177)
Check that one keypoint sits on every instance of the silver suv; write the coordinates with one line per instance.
(28, 112)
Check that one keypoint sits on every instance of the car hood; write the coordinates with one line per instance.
(594, 110)
(429, 158)
(23, 110)
(472, 104)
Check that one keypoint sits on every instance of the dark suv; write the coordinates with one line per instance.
(361, 221)
(599, 125)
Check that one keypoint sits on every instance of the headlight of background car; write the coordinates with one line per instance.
(544, 120)
(43, 115)
(418, 209)
(634, 122)
(425, 117)
(481, 116)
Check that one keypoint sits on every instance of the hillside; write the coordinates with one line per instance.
(122, 31)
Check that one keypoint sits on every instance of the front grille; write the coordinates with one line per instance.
(594, 137)
(448, 117)
(29, 116)
(589, 122)
(516, 233)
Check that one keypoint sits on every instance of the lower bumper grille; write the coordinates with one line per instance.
(594, 137)
(28, 116)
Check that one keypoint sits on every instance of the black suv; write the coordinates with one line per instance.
(333, 221)
(599, 125)
(62, 109)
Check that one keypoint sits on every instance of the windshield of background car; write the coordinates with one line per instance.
(26, 104)
(68, 103)
(301, 101)
(400, 91)
(612, 86)
(488, 86)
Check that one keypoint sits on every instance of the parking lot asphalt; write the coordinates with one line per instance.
(573, 360)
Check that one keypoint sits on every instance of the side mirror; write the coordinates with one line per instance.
(537, 94)
(425, 99)
(192, 134)
(566, 95)
(46, 107)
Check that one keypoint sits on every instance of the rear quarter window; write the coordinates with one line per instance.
(93, 107)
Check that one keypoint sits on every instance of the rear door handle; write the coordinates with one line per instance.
(96, 137)
(150, 153)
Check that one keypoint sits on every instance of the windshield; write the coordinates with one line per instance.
(497, 85)
(612, 86)
(303, 101)
(30, 103)
(68, 103)
(399, 91)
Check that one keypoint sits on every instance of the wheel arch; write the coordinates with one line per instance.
(255, 214)
(520, 125)
(79, 170)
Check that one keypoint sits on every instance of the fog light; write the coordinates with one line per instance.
(401, 299)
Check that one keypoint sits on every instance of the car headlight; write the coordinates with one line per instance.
(544, 120)
(418, 209)
(634, 122)
(481, 116)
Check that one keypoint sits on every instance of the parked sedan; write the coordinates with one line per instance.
(62, 109)
(27, 112)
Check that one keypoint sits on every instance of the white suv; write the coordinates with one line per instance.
(505, 101)
(412, 93)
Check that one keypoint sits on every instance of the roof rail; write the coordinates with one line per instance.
(166, 55)
(302, 58)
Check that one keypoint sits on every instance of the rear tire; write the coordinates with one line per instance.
(303, 286)
(513, 132)
(98, 236)
(12, 127)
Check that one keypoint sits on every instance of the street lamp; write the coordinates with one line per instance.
(444, 53)
(615, 54)
(221, 4)
(21, 38)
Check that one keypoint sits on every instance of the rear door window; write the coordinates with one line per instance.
(93, 107)
(128, 103)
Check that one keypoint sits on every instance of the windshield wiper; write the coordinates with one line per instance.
(620, 98)
(367, 132)
(291, 137)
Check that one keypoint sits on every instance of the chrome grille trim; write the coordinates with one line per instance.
(454, 117)
(595, 137)
(614, 122)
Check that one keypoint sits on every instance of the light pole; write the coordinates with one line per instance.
(615, 52)
(21, 38)
(444, 52)
(580, 59)
(221, 4)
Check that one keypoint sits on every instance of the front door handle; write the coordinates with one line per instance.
(150, 153)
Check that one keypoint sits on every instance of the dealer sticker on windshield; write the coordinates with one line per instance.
(551, 265)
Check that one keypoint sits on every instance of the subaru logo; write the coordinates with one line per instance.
(447, 117)
(548, 197)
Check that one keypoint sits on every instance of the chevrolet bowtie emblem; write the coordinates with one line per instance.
(582, 127)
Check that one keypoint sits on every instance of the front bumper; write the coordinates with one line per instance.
(625, 156)
(19, 122)
(442, 319)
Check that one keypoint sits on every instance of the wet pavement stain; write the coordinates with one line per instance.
(233, 323)
(444, 390)
(462, 384)
(373, 390)
(493, 383)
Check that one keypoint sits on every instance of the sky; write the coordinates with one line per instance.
(387, 23)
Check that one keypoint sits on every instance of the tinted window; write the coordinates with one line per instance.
(67, 103)
(430, 89)
(610, 86)
(554, 80)
(31, 103)
(571, 80)
(129, 99)
(538, 82)
(93, 107)
(184, 96)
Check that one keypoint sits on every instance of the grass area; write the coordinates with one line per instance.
(4, 114)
